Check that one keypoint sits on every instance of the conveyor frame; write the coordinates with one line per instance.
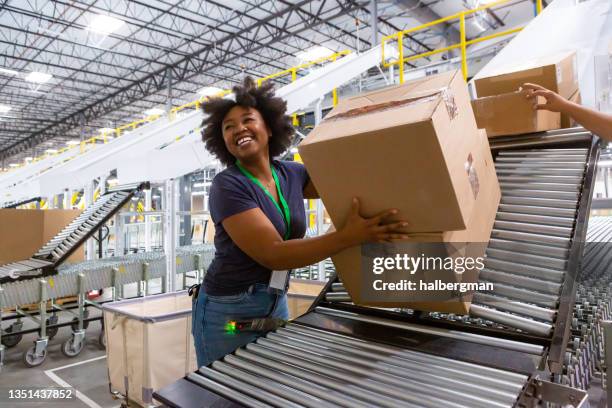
(537, 356)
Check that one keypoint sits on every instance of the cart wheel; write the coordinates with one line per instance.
(30, 359)
(69, 351)
(13, 339)
(52, 332)
(102, 340)
(75, 322)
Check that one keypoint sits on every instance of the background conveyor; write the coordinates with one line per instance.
(510, 351)
(48, 258)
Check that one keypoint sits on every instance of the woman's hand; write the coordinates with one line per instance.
(554, 101)
(358, 230)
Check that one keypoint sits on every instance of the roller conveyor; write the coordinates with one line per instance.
(50, 256)
(347, 355)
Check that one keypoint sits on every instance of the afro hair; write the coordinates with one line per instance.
(248, 95)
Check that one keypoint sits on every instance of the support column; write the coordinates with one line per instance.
(169, 90)
(184, 206)
(147, 219)
(88, 194)
(318, 117)
(374, 21)
(170, 206)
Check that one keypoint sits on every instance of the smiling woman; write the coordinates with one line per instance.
(257, 205)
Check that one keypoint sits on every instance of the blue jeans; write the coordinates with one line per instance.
(210, 314)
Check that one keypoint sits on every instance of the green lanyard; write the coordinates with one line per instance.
(285, 212)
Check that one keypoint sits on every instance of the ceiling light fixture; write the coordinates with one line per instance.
(5, 108)
(154, 111)
(314, 53)
(209, 91)
(14, 165)
(38, 77)
(8, 71)
(105, 25)
(73, 142)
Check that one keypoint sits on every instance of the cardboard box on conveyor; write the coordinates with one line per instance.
(513, 114)
(503, 111)
(557, 72)
(414, 147)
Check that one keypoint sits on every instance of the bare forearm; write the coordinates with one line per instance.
(297, 253)
(597, 122)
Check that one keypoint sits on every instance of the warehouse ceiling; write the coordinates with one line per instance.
(66, 72)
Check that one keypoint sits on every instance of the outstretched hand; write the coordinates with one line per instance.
(554, 101)
(358, 229)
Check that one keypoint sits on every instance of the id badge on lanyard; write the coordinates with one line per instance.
(279, 280)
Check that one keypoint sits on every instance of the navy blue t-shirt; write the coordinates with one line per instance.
(232, 271)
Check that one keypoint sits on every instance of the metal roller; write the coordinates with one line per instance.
(338, 384)
(538, 211)
(534, 228)
(528, 170)
(492, 374)
(530, 238)
(226, 391)
(524, 295)
(535, 312)
(527, 259)
(338, 297)
(536, 219)
(552, 288)
(324, 392)
(529, 248)
(541, 178)
(378, 382)
(338, 287)
(247, 389)
(538, 193)
(540, 202)
(568, 187)
(531, 326)
(453, 334)
(435, 384)
(479, 382)
(274, 388)
(545, 152)
(525, 270)
(537, 164)
(550, 158)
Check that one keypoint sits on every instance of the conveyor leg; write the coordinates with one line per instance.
(607, 329)
(144, 283)
(1, 346)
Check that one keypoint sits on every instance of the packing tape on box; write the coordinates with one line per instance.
(444, 93)
(472, 175)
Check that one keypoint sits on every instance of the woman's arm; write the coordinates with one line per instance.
(254, 234)
(597, 122)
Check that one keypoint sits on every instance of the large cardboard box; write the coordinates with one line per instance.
(557, 72)
(513, 114)
(348, 263)
(406, 147)
(23, 232)
(566, 120)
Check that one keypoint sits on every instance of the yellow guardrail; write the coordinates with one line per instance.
(83, 145)
(399, 38)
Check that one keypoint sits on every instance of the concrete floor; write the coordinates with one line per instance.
(87, 372)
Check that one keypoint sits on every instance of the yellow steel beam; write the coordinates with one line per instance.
(464, 68)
